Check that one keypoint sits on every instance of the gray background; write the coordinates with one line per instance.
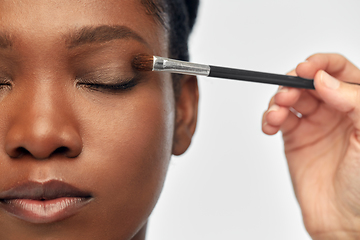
(233, 182)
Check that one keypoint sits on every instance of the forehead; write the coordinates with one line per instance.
(49, 20)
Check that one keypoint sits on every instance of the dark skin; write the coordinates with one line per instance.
(75, 111)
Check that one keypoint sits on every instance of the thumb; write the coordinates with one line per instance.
(344, 97)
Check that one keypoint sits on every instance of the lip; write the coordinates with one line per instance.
(46, 202)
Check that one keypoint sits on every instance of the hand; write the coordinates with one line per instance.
(323, 146)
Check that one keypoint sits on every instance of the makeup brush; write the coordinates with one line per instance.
(144, 62)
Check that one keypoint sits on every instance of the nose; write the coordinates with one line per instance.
(42, 124)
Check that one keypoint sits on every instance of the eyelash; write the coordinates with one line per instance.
(5, 83)
(126, 85)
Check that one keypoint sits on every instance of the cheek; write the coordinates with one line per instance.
(127, 147)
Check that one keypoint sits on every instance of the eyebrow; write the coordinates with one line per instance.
(100, 34)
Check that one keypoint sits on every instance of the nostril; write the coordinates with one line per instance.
(23, 139)
(61, 150)
(19, 152)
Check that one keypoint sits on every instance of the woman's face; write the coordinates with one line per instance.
(85, 140)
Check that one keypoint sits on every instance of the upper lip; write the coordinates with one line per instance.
(43, 191)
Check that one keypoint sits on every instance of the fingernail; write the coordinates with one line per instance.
(273, 108)
(329, 81)
(282, 89)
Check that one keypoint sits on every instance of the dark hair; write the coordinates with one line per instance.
(178, 17)
(182, 15)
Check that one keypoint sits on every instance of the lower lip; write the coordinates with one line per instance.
(47, 211)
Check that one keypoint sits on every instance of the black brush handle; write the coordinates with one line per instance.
(260, 77)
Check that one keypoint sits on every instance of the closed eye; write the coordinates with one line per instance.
(120, 86)
(5, 83)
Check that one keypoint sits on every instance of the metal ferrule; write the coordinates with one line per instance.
(182, 67)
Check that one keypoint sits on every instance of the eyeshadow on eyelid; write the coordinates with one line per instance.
(107, 76)
(105, 70)
(104, 79)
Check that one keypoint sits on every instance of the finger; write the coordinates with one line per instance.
(302, 101)
(307, 104)
(273, 118)
(276, 115)
(268, 129)
(287, 97)
(292, 73)
(290, 124)
(335, 64)
(279, 118)
(342, 96)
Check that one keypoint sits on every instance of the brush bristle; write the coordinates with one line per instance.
(143, 62)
